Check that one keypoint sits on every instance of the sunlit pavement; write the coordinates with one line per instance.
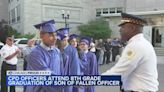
(105, 67)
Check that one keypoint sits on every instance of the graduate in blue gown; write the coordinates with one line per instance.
(89, 66)
(45, 57)
(73, 40)
(71, 62)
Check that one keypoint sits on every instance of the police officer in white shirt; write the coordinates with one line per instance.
(9, 55)
(138, 63)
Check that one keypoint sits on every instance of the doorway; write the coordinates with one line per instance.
(156, 36)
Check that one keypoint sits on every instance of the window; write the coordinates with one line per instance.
(105, 11)
(119, 10)
(13, 19)
(9, 18)
(98, 12)
(15, 15)
(112, 10)
(18, 13)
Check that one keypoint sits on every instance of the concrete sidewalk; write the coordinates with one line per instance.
(105, 67)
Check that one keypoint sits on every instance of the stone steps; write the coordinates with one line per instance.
(159, 51)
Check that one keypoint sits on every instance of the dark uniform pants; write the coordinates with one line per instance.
(115, 52)
(108, 57)
(25, 64)
(4, 68)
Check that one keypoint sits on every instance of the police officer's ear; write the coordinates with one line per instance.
(137, 28)
(129, 27)
(134, 27)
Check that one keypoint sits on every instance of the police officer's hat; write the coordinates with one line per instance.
(128, 18)
(46, 26)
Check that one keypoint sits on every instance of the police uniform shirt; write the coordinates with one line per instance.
(9, 50)
(93, 49)
(137, 66)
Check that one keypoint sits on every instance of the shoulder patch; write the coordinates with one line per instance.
(130, 53)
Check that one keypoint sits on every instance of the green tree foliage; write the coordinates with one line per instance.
(29, 36)
(96, 29)
(3, 32)
(6, 30)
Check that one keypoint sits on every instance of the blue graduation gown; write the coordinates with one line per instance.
(89, 66)
(71, 64)
(42, 59)
(71, 61)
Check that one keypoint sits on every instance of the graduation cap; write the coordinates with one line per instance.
(46, 26)
(72, 36)
(63, 31)
(87, 40)
(128, 18)
(60, 36)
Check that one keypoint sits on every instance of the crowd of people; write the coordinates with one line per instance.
(58, 52)
(62, 53)
(67, 54)
(107, 50)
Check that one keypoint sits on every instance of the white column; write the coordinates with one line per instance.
(147, 31)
